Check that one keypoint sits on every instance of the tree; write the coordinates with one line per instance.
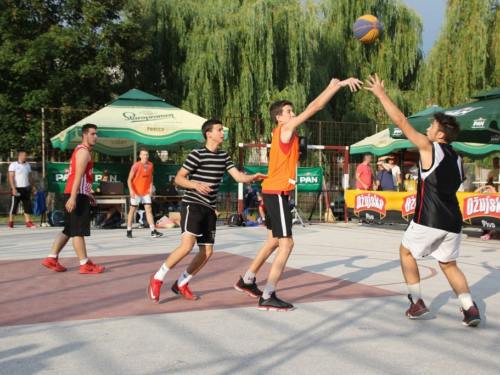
(59, 54)
(465, 59)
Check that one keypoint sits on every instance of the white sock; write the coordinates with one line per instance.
(414, 291)
(129, 228)
(82, 262)
(152, 227)
(162, 272)
(249, 277)
(268, 290)
(466, 300)
(52, 256)
(184, 279)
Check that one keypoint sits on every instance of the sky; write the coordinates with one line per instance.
(432, 13)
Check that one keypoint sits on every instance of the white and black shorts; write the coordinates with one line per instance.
(278, 215)
(200, 221)
(77, 222)
(25, 197)
(144, 199)
(423, 241)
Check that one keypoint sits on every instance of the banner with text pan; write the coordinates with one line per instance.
(478, 210)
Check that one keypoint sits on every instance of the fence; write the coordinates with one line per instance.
(243, 130)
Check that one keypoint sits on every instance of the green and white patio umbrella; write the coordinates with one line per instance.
(135, 120)
(382, 144)
(478, 120)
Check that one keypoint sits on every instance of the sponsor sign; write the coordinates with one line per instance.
(478, 123)
(397, 131)
(370, 202)
(478, 210)
(462, 111)
(408, 206)
(480, 206)
(308, 179)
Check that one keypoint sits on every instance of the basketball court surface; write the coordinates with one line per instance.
(345, 282)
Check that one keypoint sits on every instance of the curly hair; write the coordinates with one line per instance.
(448, 125)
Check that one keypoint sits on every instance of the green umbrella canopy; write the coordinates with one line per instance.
(140, 118)
(478, 120)
(382, 144)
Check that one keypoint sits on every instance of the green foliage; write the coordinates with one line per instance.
(58, 54)
(465, 59)
(214, 58)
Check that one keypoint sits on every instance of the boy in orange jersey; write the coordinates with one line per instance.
(140, 185)
(283, 159)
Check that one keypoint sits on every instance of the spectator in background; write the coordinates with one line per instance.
(391, 161)
(493, 174)
(22, 185)
(384, 179)
(364, 174)
(251, 199)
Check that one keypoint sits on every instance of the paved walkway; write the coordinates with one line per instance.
(344, 280)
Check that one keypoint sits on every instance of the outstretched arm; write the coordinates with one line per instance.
(397, 117)
(317, 105)
(244, 178)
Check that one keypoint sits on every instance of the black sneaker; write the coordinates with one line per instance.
(155, 233)
(129, 233)
(471, 316)
(273, 303)
(251, 289)
(416, 310)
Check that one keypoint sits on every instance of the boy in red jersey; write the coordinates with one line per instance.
(77, 201)
(283, 159)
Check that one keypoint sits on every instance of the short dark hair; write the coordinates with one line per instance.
(277, 109)
(366, 154)
(143, 149)
(208, 126)
(448, 125)
(87, 127)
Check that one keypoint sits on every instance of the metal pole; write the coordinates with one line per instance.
(240, 185)
(43, 145)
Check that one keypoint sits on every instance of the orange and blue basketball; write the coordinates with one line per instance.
(367, 29)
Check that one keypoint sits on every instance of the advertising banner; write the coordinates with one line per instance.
(57, 174)
(308, 179)
(478, 210)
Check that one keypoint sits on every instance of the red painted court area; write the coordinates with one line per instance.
(31, 293)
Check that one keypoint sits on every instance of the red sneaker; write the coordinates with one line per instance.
(90, 267)
(154, 289)
(416, 310)
(53, 264)
(29, 224)
(10, 225)
(184, 291)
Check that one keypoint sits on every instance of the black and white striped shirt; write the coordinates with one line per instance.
(206, 167)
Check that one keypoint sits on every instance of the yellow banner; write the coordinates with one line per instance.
(481, 210)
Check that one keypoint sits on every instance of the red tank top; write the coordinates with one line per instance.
(283, 160)
(85, 185)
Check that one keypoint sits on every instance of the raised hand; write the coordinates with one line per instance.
(353, 83)
(375, 85)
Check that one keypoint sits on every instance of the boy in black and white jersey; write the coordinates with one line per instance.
(198, 210)
(437, 225)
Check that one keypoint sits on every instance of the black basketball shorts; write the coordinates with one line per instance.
(200, 221)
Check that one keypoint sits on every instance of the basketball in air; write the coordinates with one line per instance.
(367, 29)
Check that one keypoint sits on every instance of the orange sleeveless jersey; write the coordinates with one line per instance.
(283, 160)
(141, 183)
